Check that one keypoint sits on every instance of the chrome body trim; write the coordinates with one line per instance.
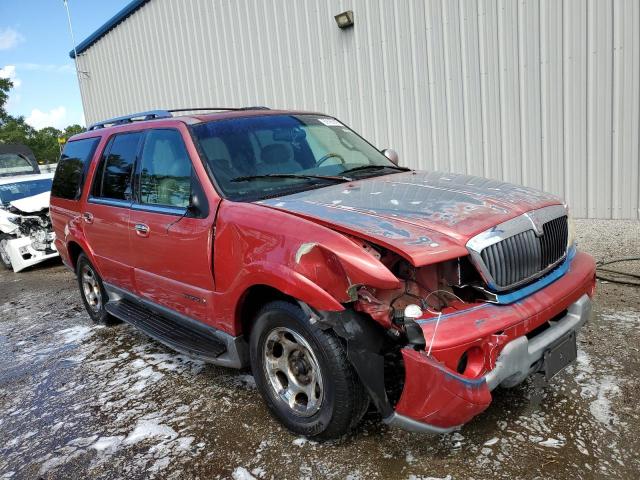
(167, 210)
(532, 220)
(406, 423)
(112, 202)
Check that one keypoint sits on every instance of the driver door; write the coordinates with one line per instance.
(171, 249)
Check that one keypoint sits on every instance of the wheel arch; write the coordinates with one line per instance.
(252, 301)
(74, 250)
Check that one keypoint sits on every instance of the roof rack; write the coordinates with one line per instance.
(150, 115)
(209, 109)
(157, 114)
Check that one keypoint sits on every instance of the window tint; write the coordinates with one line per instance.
(72, 167)
(15, 191)
(165, 170)
(117, 167)
(15, 164)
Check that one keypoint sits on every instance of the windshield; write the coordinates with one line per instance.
(15, 191)
(15, 164)
(259, 157)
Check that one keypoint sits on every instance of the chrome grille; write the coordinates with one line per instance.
(525, 255)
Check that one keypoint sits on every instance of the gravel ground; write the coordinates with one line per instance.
(83, 401)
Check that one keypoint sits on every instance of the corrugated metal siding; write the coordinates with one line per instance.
(540, 92)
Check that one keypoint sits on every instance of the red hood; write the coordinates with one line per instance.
(424, 216)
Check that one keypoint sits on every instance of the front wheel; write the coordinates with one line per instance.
(94, 296)
(4, 255)
(303, 373)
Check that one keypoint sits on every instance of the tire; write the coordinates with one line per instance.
(92, 292)
(4, 256)
(303, 374)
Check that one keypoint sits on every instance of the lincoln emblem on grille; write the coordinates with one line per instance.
(536, 222)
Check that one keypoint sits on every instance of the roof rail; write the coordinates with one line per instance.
(157, 114)
(150, 115)
(208, 109)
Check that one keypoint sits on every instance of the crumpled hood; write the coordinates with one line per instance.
(33, 204)
(424, 216)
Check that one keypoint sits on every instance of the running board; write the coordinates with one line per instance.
(182, 334)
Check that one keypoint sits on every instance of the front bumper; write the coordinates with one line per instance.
(436, 399)
(520, 357)
(23, 255)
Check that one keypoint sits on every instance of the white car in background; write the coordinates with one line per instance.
(26, 236)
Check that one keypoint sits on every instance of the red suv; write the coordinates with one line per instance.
(286, 242)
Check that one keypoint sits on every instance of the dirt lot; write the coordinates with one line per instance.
(83, 401)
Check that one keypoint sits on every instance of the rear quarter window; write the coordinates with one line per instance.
(72, 168)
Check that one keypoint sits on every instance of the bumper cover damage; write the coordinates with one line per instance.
(437, 400)
(514, 339)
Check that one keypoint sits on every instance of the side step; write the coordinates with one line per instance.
(191, 339)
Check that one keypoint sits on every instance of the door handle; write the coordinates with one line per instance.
(141, 229)
(87, 217)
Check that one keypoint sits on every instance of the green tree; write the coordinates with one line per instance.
(72, 130)
(43, 142)
(5, 86)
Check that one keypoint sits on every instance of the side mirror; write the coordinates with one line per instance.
(392, 155)
(198, 204)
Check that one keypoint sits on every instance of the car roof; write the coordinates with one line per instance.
(25, 178)
(189, 119)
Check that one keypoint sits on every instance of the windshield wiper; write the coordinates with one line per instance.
(376, 167)
(247, 178)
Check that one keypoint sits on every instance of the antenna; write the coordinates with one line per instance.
(73, 40)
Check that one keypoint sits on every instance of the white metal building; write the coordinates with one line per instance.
(540, 92)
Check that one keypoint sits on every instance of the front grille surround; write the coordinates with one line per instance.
(522, 249)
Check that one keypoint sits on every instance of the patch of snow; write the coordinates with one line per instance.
(107, 445)
(302, 441)
(552, 443)
(76, 334)
(599, 390)
(82, 441)
(259, 472)
(241, 473)
(493, 441)
(415, 477)
(146, 429)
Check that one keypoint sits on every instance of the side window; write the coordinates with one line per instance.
(165, 170)
(72, 167)
(114, 177)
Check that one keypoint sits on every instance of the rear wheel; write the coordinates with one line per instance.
(303, 373)
(4, 256)
(92, 291)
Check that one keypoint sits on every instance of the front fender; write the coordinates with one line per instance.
(291, 283)
(257, 245)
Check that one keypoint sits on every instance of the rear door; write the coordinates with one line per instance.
(170, 247)
(106, 214)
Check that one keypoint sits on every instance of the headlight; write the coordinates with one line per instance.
(571, 237)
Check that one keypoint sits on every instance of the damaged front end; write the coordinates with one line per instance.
(27, 237)
(431, 349)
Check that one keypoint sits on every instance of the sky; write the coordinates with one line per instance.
(34, 53)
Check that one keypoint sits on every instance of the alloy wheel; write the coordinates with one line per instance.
(91, 288)
(293, 371)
